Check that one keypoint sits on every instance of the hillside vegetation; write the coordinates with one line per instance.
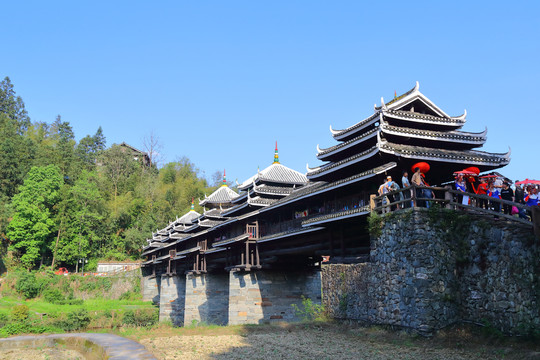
(64, 202)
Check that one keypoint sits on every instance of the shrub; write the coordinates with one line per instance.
(140, 317)
(28, 285)
(24, 328)
(14, 329)
(19, 313)
(375, 224)
(130, 295)
(309, 310)
(76, 320)
(4, 319)
(54, 296)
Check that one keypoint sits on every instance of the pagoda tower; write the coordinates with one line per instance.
(221, 198)
(406, 130)
(266, 187)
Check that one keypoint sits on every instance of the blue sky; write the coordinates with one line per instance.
(221, 81)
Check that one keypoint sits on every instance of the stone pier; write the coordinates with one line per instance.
(207, 299)
(150, 286)
(266, 296)
(172, 299)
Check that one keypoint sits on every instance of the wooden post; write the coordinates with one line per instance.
(247, 254)
(413, 194)
(257, 254)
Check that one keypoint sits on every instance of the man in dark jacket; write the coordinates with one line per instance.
(507, 194)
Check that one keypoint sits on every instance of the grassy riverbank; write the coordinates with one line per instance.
(48, 303)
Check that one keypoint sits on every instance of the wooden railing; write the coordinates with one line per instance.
(418, 196)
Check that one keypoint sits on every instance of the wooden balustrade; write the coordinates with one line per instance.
(448, 197)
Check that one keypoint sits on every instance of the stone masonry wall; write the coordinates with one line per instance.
(150, 288)
(432, 268)
(413, 276)
(172, 299)
(207, 299)
(499, 278)
(345, 290)
(264, 296)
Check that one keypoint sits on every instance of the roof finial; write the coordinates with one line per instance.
(276, 157)
(224, 179)
(395, 94)
(192, 205)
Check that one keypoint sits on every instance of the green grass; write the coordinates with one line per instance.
(92, 305)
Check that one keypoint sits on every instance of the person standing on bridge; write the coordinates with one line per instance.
(418, 181)
(532, 196)
(462, 187)
(407, 193)
(494, 193)
(507, 194)
(482, 190)
(383, 189)
(392, 186)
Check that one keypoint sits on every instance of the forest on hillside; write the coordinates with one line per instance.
(63, 201)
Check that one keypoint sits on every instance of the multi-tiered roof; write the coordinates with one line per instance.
(266, 187)
(408, 129)
(221, 198)
(281, 212)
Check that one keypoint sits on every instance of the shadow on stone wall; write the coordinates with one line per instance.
(430, 269)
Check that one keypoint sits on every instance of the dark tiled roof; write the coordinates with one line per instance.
(188, 218)
(351, 129)
(337, 215)
(177, 236)
(230, 241)
(213, 214)
(275, 173)
(272, 190)
(258, 200)
(210, 223)
(398, 97)
(287, 233)
(455, 136)
(222, 195)
(472, 157)
(343, 163)
(322, 186)
(188, 251)
(346, 144)
(407, 115)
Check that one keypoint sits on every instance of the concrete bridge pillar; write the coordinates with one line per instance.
(172, 299)
(266, 296)
(207, 299)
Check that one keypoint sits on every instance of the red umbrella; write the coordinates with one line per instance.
(488, 176)
(474, 169)
(527, 181)
(424, 166)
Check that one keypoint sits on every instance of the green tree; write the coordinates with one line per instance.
(82, 217)
(34, 224)
(63, 145)
(13, 106)
(90, 148)
(17, 155)
(117, 167)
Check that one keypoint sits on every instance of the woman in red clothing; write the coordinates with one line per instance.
(482, 190)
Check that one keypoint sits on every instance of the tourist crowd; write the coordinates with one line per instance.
(490, 186)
